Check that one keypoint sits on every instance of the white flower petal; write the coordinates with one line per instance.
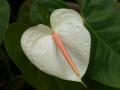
(40, 48)
(69, 25)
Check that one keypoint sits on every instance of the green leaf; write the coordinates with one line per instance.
(92, 85)
(88, 7)
(102, 18)
(4, 17)
(24, 13)
(41, 9)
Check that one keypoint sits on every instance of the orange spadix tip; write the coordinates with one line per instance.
(60, 45)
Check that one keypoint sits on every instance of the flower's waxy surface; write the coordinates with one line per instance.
(40, 48)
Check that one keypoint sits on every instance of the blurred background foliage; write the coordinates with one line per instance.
(17, 73)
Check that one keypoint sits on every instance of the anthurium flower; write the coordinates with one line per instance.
(62, 50)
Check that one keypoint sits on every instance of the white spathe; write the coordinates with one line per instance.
(39, 46)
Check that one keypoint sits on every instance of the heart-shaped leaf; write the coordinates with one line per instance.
(102, 18)
(4, 17)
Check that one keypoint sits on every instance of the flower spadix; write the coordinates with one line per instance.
(62, 50)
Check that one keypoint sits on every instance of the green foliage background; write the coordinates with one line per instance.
(101, 17)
